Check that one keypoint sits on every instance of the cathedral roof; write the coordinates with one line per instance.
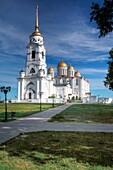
(77, 73)
(62, 64)
(36, 33)
(21, 71)
(71, 67)
(51, 69)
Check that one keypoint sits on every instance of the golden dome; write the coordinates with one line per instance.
(36, 33)
(62, 64)
(77, 72)
(51, 69)
(71, 67)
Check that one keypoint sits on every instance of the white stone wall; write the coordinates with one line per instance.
(85, 87)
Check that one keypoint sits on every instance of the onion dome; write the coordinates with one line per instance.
(71, 67)
(36, 33)
(22, 71)
(77, 73)
(62, 64)
(51, 69)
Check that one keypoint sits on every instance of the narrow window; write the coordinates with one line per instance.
(42, 55)
(33, 55)
(76, 81)
(63, 71)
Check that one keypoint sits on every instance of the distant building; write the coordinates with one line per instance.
(38, 82)
(95, 99)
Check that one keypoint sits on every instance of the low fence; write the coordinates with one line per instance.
(48, 100)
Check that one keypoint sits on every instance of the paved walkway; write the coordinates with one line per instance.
(38, 122)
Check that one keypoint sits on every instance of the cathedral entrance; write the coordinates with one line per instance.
(29, 95)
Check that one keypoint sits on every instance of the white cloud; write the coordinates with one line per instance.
(12, 40)
(82, 42)
(97, 83)
(8, 80)
(92, 71)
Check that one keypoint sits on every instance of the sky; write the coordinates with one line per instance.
(68, 35)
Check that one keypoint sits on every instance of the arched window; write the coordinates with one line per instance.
(31, 83)
(32, 70)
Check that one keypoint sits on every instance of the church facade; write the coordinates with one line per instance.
(37, 82)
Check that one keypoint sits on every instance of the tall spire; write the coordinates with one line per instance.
(36, 23)
(36, 26)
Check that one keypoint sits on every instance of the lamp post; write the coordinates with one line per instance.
(53, 100)
(63, 94)
(5, 90)
(64, 98)
(40, 94)
(98, 98)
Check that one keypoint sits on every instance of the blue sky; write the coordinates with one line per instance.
(68, 35)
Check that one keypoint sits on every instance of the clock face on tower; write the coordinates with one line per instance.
(37, 40)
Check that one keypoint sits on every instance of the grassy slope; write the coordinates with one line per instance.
(22, 109)
(86, 113)
(58, 151)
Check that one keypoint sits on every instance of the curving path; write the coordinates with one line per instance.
(38, 122)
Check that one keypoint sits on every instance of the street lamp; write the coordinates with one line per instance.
(40, 94)
(53, 99)
(63, 95)
(98, 98)
(64, 98)
(5, 90)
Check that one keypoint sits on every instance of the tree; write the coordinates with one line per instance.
(73, 98)
(103, 16)
(109, 76)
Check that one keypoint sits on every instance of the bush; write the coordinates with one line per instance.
(76, 97)
(73, 98)
(50, 97)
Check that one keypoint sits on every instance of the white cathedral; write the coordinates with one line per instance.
(37, 83)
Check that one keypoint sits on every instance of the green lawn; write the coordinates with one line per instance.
(58, 151)
(22, 109)
(86, 113)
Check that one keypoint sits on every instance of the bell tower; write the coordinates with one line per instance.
(32, 82)
(36, 53)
